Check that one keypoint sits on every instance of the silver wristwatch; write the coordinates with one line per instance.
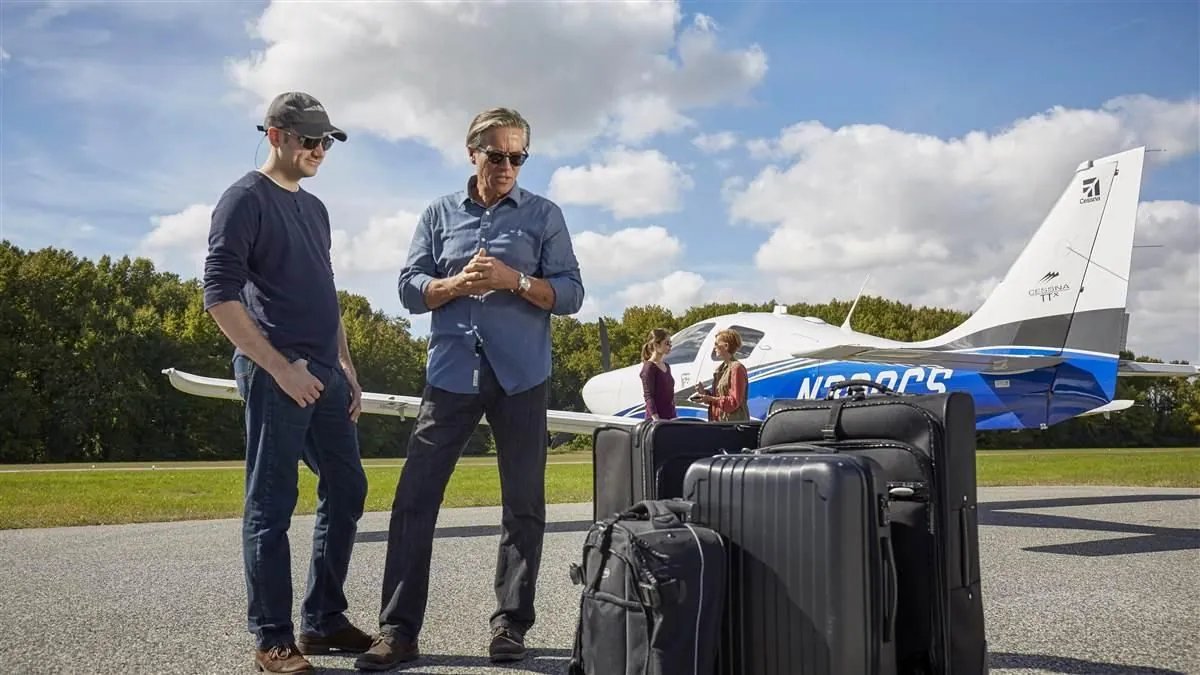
(523, 283)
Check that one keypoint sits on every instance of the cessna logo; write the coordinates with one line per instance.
(1048, 293)
(1091, 190)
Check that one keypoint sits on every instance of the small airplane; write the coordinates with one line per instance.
(1043, 348)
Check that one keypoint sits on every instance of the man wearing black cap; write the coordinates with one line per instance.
(268, 283)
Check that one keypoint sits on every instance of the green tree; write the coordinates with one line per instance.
(83, 345)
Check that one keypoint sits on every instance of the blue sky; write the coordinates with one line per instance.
(116, 115)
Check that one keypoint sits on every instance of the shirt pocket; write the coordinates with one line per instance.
(517, 246)
(459, 245)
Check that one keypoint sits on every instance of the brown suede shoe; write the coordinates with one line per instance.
(281, 659)
(349, 640)
(387, 652)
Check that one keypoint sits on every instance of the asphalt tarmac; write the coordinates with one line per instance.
(1076, 580)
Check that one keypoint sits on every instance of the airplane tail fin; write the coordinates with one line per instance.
(1068, 288)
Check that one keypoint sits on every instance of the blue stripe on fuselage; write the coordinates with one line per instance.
(1081, 383)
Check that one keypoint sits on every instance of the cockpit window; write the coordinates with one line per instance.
(686, 343)
(750, 339)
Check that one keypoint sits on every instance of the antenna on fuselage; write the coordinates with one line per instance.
(605, 357)
(846, 323)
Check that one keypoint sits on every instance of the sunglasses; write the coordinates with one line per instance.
(514, 158)
(309, 143)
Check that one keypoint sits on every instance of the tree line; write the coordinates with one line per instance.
(83, 344)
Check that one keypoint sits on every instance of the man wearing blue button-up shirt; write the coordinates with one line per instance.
(492, 263)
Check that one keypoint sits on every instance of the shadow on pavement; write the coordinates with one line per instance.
(1069, 666)
(536, 661)
(476, 531)
(1154, 539)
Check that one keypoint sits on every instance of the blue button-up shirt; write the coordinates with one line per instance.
(529, 234)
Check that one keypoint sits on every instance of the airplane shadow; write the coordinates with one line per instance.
(1154, 539)
(536, 661)
(1068, 665)
(476, 531)
(992, 514)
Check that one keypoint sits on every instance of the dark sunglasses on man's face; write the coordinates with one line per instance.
(309, 143)
(514, 158)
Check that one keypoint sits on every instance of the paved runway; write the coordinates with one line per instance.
(1076, 580)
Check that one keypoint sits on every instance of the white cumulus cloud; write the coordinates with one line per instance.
(178, 242)
(1164, 288)
(677, 291)
(409, 70)
(715, 142)
(625, 254)
(382, 246)
(629, 184)
(939, 221)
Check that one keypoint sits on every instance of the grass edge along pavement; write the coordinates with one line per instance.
(48, 496)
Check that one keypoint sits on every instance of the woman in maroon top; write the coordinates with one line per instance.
(658, 385)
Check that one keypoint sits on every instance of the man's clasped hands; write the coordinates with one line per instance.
(484, 273)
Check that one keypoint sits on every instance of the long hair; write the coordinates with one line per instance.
(656, 336)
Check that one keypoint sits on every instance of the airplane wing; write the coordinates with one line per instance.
(558, 421)
(997, 364)
(1143, 369)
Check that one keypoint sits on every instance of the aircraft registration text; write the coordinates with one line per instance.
(909, 380)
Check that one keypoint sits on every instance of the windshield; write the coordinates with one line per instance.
(686, 343)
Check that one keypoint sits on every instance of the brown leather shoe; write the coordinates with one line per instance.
(348, 640)
(387, 652)
(507, 645)
(281, 659)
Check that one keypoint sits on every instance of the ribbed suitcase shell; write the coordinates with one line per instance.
(648, 461)
(941, 620)
(811, 584)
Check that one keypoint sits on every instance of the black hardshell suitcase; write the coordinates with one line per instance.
(811, 577)
(925, 446)
(647, 461)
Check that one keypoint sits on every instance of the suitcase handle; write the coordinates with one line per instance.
(655, 509)
(794, 447)
(892, 599)
(858, 384)
(964, 558)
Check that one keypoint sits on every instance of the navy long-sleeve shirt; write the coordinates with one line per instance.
(269, 247)
(528, 233)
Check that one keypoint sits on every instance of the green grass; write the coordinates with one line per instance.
(1149, 467)
(199, 490)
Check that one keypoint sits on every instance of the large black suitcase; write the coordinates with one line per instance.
(925, 448)
(812, 587)
(648, 460)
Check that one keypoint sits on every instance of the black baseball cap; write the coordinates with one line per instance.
(301, 113)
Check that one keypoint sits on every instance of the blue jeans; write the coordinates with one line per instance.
(280, 433)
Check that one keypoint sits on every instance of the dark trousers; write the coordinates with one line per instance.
(279, 433)
(439, 436)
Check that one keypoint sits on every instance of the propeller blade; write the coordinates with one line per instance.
(605, 357)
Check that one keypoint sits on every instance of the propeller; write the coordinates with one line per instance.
(605, 357)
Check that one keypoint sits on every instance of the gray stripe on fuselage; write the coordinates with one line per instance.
(1096, 330)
